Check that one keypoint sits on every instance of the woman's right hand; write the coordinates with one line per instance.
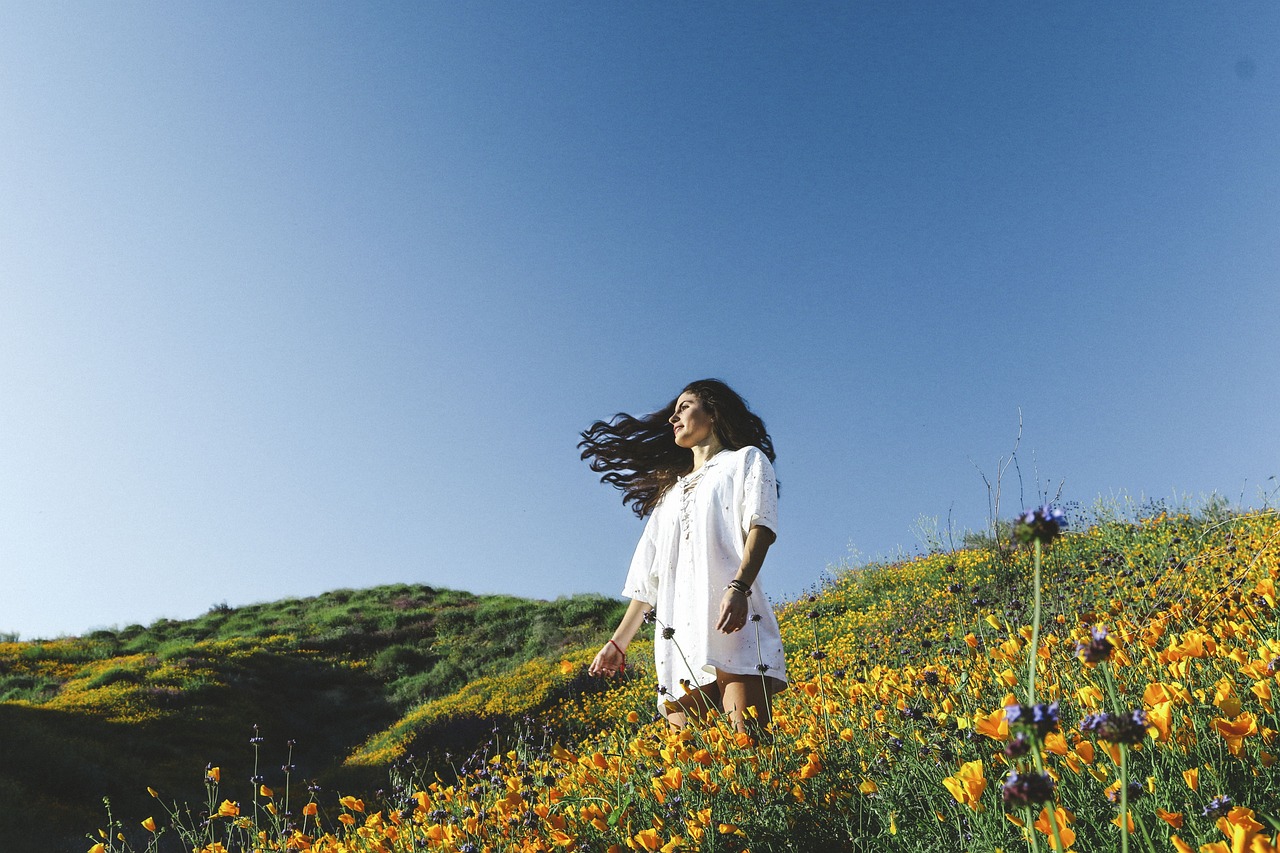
(608, 661)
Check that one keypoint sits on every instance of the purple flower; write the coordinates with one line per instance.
(1042, 525)
(1098, 648)
(1130, 729)
(1026, 789)
(1218, 807)
(1040, 719)
(1018, 746)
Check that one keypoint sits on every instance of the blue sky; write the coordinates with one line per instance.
(296, 297)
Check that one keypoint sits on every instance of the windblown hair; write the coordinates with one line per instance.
(640, 457)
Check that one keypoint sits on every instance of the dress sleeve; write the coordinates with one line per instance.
(642, 577)
(759, 492)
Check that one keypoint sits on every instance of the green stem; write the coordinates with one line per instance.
(1050, 808)
(1028, 814)
(1124, 798)
(1035, 631)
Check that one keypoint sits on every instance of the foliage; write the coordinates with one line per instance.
(915, 691)
(118, 704)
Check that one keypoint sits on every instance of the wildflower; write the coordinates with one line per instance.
(1135, 791)
(1026, 789)
(149, 824)
(1217, 807)
(1039, 525)
(968, 784)
(1040, 719)
(668, 633)
(1130, 729)
(1018, 746)
(650, 616)
(762, 668)
(1098, 648)
(1235, 731)
(1061, 817)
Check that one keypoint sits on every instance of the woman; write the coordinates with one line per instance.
(701, 470)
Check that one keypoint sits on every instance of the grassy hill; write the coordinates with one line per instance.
(897, 732)
(114, 712)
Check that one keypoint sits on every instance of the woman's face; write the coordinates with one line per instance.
(692, 423)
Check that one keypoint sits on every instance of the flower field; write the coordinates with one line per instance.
(1112, 687)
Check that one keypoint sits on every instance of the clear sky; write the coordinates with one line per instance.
(300, 296)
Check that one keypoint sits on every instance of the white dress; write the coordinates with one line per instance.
(691, 548)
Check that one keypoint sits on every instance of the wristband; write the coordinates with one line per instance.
(623, 666)
(739, 586)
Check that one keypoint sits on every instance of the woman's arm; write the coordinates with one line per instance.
(733, 606)
(609, 659)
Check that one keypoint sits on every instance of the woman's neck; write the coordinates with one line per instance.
(703, 452)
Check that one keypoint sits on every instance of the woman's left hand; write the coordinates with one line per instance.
(733, 612)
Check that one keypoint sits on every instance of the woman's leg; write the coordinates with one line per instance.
(740, 692)
(695, 704)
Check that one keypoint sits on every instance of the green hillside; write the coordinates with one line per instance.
(1114, 690)
(111, 713)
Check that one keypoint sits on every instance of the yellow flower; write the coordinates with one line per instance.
(1240, 826)
(97, 848)
(1061, 817)
(310, 810)
(648, 839)
(352, 803)
(968, 784)
(993, 725)
(1192, 778)
(213, 774)
(1174, 819)
(263, 790)
(1159, 718)
(1235, 731)
(228, 809)
(868, 787)
(149, 824)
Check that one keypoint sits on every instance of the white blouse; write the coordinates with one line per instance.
(691, 548)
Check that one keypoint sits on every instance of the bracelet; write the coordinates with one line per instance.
(623, 666)
(739, 586)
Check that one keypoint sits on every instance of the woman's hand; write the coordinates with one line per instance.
(733, 611)
(608, 661)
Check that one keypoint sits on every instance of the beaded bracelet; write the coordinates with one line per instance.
(623, 666)
(739, 586)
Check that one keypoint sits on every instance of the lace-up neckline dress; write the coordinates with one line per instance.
(691, 548)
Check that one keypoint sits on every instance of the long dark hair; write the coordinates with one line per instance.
(640, 457)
